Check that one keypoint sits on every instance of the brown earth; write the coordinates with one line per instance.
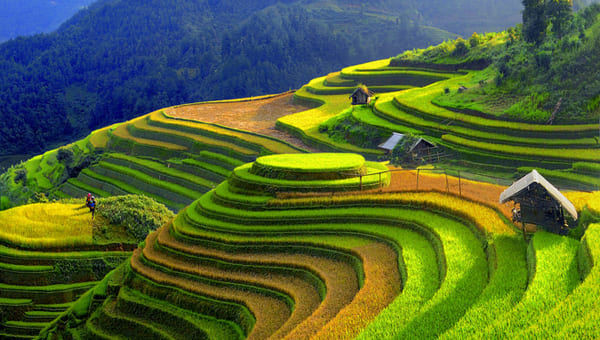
(257, 115)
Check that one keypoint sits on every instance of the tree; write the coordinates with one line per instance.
(559, 13)
(534, 21)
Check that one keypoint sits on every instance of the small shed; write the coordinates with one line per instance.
(361, 96)
(421, 147)
(391, 143)
(539, 202)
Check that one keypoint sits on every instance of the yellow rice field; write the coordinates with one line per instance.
(44, 225)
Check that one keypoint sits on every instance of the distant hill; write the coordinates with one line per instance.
(119, 59)
(35, 16)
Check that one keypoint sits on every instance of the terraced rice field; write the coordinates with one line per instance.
(172, 160)
(245, 261)
(48, 259)
(404, 102)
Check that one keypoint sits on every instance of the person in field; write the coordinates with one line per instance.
(90, 202)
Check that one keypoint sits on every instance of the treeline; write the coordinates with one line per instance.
(119, 59)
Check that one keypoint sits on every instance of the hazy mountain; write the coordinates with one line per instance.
(35, 16)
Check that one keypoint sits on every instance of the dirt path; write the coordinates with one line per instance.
(257, 116)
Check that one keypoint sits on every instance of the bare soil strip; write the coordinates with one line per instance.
(257, 116)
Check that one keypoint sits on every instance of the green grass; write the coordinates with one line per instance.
(505, 289)
(554, 278)
(244, 179)
(419, 100)
(588, 155)
(317, 162)
(575, 316)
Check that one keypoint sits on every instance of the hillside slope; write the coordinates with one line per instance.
(119, 59)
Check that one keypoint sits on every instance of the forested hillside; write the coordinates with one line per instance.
(119, 59)
(35, 16)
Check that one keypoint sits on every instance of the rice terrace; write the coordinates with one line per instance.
(290, 216)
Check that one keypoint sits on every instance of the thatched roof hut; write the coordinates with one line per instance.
(361, 96)
(539, 202)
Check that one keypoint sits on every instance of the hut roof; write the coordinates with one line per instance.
(419, 141)
(391, 143)
(534, 177)
(362, 89)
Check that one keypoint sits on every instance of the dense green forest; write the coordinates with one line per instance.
(35, 16)
(118, 59)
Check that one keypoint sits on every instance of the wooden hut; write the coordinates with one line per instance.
(361, 96)
(421, 147)
(539, 202)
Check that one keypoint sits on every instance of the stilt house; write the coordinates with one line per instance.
(539, 202)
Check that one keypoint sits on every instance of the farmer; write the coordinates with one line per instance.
(90, 202)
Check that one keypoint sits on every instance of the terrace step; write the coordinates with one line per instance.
(117, 187)
(6, 336)
(552, 282)
(177, 322)
(14, 274)
(232, 314)
(112, 321)
(259, 143)
(162, 172)
(189, 141)
(92, 179)
(51, 294)
(20, 328)
(58, 308)
(271, 313)
(146, 183)
(208, 171)
(40, 316)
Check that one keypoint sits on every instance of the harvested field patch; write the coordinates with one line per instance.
(257, 116)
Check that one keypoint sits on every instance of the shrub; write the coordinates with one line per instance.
(461, 48)
(65, 156)
(475, 39)
(20, 176)
(139, 214)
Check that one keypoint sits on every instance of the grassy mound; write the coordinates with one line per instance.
(309, 167)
